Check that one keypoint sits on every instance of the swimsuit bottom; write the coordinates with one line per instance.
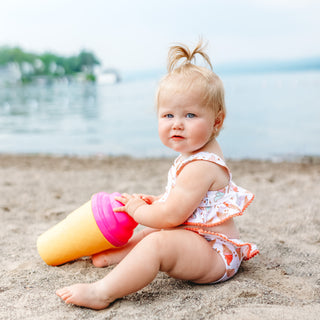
(232, 251)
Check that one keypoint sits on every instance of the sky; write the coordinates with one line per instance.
(136, 34)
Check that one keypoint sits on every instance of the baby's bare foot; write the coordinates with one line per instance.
(114, 256)
(84, 294)
(101, 260)
(109, 257)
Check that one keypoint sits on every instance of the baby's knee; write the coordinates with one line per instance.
(153, 237)
(156, 240)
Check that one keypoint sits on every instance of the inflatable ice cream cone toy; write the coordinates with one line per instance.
(90, 229)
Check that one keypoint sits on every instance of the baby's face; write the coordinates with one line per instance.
(184, 124)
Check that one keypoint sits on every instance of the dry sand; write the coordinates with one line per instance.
(283, 282)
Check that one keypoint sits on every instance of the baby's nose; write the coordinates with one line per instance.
(178, 124)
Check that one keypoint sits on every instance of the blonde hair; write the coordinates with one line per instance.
(184, 74)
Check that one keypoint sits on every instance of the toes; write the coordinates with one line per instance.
(64, 293)
(100, 262)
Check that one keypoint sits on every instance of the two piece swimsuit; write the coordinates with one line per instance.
(215, 208)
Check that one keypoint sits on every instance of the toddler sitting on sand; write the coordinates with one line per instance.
(190, 233)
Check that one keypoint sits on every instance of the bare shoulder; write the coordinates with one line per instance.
(199, 169)
(209, 173)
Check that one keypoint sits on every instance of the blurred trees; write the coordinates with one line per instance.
(49, 64)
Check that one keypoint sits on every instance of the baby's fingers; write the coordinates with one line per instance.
(124, 198)
(119, 209)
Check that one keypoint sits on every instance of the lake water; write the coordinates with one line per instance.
(270, 116)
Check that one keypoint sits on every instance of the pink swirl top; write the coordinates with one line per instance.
(117, 227)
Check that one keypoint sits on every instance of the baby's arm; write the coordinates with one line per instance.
(191, 186)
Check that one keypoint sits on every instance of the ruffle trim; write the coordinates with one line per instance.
(252, 248)
(200, 224)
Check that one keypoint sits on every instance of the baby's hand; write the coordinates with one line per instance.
(147, 198)
(131, 204)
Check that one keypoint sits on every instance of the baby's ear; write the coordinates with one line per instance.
(219, 120)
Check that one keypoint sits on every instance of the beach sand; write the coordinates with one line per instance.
(282, 282)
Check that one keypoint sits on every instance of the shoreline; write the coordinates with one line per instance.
(283, 281)
(307, 159)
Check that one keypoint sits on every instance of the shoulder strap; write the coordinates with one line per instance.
(180, 163)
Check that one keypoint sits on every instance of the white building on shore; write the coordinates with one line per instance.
(108, 76)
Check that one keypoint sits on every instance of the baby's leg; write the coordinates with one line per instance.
(182, 254)
(114, 256)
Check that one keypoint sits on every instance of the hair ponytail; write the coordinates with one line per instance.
(180, 51)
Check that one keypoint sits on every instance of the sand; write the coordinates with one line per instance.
(282, 282)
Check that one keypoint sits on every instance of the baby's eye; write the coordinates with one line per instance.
(169, 115)
(191, 115)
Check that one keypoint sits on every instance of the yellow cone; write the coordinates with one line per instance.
(76, 236)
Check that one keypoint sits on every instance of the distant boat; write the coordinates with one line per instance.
(108, 76)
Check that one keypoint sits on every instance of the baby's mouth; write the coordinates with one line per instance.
(177, 137)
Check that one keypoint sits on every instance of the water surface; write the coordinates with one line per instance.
(273, 115)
